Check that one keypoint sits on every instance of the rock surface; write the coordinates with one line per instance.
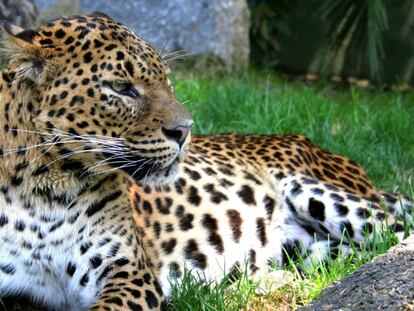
(386, 283)
(214, 27)
(19, 12)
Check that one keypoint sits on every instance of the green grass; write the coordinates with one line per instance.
(374, 128)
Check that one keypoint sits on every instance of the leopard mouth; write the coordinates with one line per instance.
(142, 168)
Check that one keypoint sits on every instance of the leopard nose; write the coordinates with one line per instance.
(178, 134)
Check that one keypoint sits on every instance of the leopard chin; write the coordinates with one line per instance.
(161, 176)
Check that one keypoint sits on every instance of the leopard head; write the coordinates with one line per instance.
(99, 94)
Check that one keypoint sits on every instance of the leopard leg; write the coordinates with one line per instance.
(333, 211)
(401, 206)
(130, 285)
(325, 250)
(296, 240)
(302, 243)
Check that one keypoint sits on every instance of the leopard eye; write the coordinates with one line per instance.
(124, 88)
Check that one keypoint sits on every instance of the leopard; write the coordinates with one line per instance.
(245, 204)
(85, 106)
(107, 197)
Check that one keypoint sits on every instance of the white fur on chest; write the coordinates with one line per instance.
(235, 253)
(37, 245)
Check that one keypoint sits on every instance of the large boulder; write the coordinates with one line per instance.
(214, 27)
(386, 283)
(19, 12)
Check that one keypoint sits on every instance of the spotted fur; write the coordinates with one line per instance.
(84, 104)
(254, 198)
(70, 139)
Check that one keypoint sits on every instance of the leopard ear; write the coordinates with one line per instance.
(17, 40)
(100, 14)
(22, 50)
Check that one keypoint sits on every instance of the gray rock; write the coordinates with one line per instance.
(19, 12)
(216, 27)
(386, 283)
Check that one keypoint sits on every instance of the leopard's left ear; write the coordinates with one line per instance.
(100, 14)
(22, 49)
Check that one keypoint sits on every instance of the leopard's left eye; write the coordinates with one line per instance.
(124, 88)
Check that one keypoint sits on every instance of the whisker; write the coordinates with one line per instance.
(68, 138)
(102, 161)
(132, 129)
(182, 56)
(170, 52)
(137, 170)
(30, 131)
(162, 47)
(65, 156)
(108, 162)
(46, 151)
(90, 135)
(113, 169)
(60, 142)
(148, 172)
(63, 133)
